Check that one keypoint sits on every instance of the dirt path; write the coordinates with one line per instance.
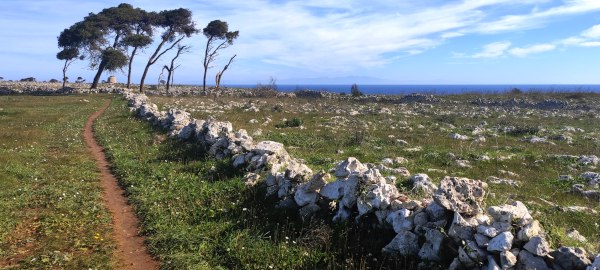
(131, 252)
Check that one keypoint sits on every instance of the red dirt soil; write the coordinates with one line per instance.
(131, 252)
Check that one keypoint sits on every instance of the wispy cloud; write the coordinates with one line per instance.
(538, 48)
(587, 38)
(493, 50)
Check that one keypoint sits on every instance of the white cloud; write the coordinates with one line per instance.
(590, 44)
(493, 50)
(539, 48)
(593, 32)
(537, 17)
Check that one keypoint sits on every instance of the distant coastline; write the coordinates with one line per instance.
(402, 89)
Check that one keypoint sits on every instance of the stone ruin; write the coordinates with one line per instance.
(451, 228)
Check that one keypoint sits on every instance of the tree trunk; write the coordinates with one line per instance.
(129, 69)
(206, 63)
(98, 74)
(169, 78)
(144, 77)
(220, 73)
(65, 73)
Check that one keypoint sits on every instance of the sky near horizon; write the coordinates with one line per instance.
(394, 41)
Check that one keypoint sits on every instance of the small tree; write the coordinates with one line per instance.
(219, 37)
(68, 55)
(80, 80)
(136, 41)
(220, 73)
(171, 69)
(355, 92)
(178, 25)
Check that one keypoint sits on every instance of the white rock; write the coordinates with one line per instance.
(501, 242)
(537, 246)
(529, 231)
(334, 190)
(507, 259)
(527, 260)
(401, 220)
(350, 165)
(431, 249)
(405, 243)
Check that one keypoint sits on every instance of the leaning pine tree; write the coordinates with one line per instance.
(218, 37)
(177, 25)
(101, 37)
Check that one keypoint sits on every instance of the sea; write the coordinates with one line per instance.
(437, 89)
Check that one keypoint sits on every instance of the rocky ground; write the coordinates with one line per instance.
(432, 166)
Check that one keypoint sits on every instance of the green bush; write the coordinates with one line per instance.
(294, 122)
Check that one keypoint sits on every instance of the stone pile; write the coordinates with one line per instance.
(450, 229)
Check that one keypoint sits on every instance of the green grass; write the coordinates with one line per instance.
(371, 137)
(197, 213)
(51, 210)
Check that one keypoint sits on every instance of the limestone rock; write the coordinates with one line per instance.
(527, 261)
(435, 211)
(431, 249)
(571, 258)
(350, 165)
(405, 243)
(491, 264)
(529, 231)
(501, 242)
(538, 246)
(461, 195)
(401, 220)
(508, 259)
(422, 182)
(334, 190)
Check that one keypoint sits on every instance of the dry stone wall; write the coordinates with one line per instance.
(452, 228)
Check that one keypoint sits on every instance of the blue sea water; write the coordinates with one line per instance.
(438, 89)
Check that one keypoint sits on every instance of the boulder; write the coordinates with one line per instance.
(501, 242)
(461, 195)
(334, 190)
(527, 261)
(405, 243)
(297, 171)
(571, 258)
(538, 246)
(508, 259)
(528, 231)
(350, 165)
(401, 220)
(421, 182)
(432, 248)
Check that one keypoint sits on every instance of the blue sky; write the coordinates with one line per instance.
(397, 41)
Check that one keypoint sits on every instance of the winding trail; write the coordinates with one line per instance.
(131, 252)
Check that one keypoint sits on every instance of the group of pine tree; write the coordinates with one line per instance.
(113, 37)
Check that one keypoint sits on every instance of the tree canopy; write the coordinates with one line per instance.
(177, 24)
(218, 37)
(101, 36)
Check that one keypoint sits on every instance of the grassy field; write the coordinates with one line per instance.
(51, 210)
(198, 214)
